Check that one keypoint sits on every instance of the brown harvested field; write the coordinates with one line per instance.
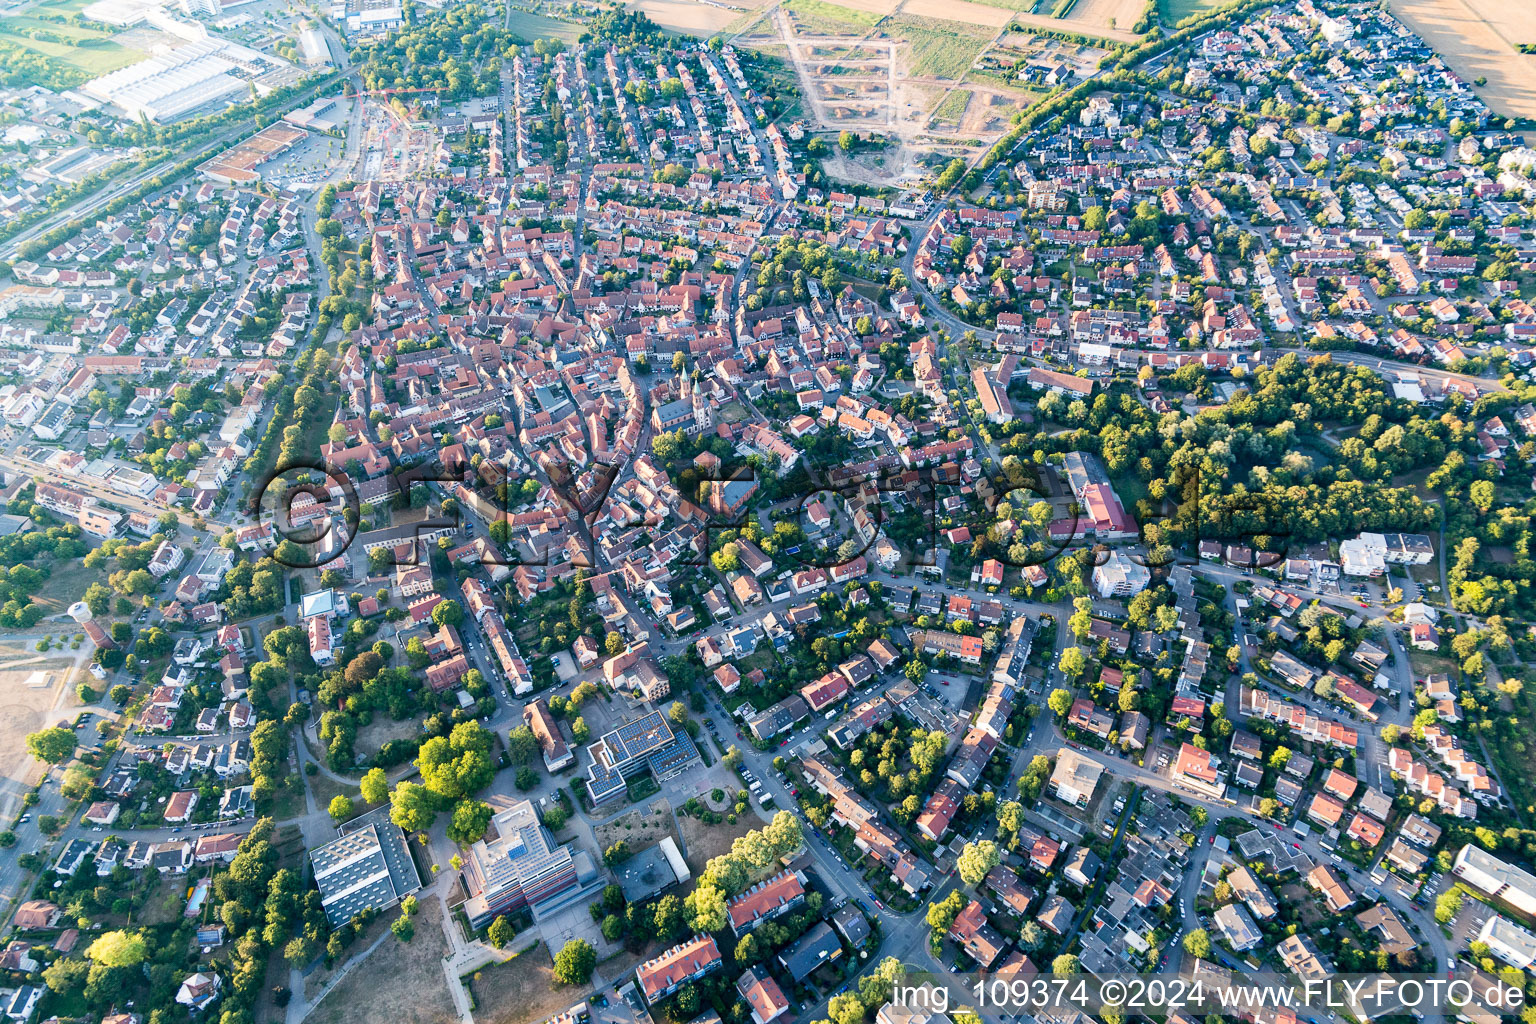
(399, 982)
(959, 10)
(520, 990)
(1477, 38)
(690, 17)
(1092, 18)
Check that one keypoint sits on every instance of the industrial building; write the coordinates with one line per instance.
(368, 868)
(203, 74)
(313, 48)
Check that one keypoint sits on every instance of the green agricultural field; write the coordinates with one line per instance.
(1171, 12)
(817, 17)
(941, 49)
(537, 26)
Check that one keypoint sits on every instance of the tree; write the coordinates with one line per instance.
(1065, 964)
(54, 746)
(1198, 944)
(1448, 905)
(448, 613)
(403, 928)
(412, 807)
(375, 786)
(1073, 662)
(669, 916)
(500, 932)
(341, 808)
(298, 952)
(941, 916)
(521, 745)
(98, 599)
(67, 974)
(976, 860)
(1010, 818)
(846, 141)
(705, 907)
(470, 820)
(118, 949)
(574, 963)
(617, 854)
(78, 783)
(1060, 702)
(1031, 935)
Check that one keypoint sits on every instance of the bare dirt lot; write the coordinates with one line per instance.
(1477, 38)
(35, 691)
(402, 983)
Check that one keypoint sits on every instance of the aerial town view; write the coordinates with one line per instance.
(767, 511)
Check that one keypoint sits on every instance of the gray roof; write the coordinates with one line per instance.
(645, 874)
(818, 946)
(369, 867)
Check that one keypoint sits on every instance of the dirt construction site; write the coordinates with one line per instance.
(931, 79)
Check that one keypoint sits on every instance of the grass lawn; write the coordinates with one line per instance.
(66, 583)
(536, 26)
(324, 788)
(761, 658)
(288, 799)
(706, 841)
(1425, 663)
(373, 736)
(519, 990)
(62, 7)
